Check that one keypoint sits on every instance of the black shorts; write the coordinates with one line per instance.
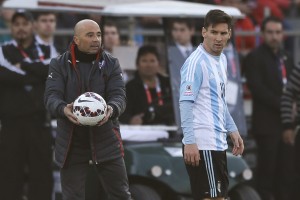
(210, 178)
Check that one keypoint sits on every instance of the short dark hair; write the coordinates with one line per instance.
(37, 14)
(22, 13)
(143, 50)
(188, 22)
(217, 16)
(269, 19)
(111, 24)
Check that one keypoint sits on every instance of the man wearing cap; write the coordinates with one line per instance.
(25, 139)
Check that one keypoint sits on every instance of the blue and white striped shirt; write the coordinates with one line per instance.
(205, 119)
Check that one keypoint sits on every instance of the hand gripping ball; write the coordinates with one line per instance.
(89, 108)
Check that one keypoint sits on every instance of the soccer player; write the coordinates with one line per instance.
(202, 93)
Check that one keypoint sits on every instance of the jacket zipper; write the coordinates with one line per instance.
(92, 139)
(93, 149)
(71, 132)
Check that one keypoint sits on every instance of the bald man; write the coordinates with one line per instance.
(87, 68)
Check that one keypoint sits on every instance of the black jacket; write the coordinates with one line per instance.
(264, 79)
(63, 86)
(22, 90)
(137, 102)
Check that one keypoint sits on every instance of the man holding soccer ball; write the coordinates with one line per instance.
(87, 68)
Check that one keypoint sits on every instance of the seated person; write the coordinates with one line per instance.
(149, 99)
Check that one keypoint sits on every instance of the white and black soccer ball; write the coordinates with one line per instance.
(89, 108)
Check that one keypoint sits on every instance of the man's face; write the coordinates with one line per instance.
(21, 29)
(45, 25)
(215, 38)
(111, 37)
(88, 38)
(148, 65)
(181, 33)
(273, 35)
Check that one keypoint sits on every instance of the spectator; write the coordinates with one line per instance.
(182, 31)
(111, 40)
(111, 36)
(149, 93)
(45, 26)
(25, 137)
(267, 69)
(291, 123)
(86, 67)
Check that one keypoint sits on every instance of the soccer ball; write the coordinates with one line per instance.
(89, 108)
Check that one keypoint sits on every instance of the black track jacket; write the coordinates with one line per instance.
(63, 86)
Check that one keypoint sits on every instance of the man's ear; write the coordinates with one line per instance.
(204, 31)
(76, 39)
(230, 33)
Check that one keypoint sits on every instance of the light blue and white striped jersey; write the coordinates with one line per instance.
(202, 93)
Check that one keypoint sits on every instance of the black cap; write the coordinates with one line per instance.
(22, 13)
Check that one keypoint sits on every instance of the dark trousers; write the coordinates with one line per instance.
(275, 167)
(112, 175)
(25, 156)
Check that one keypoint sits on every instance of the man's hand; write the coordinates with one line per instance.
(69, 114)
(109, 112)
(238, 144)
(288, 136)
(191, 154)
(18, 65)
(137, 119)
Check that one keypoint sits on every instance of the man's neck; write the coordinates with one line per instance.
(25, 43)
(186, 45)
(150, 81)
(45, 39)
(84, 56)
(275, 51)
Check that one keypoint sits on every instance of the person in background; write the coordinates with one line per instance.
(87, 67)
(149, 99)
(111, 40)
(25, 136)
(182, 31)
(111, 36)
(291, 123)
(205, 118)
(267, 70)
(45, 26)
